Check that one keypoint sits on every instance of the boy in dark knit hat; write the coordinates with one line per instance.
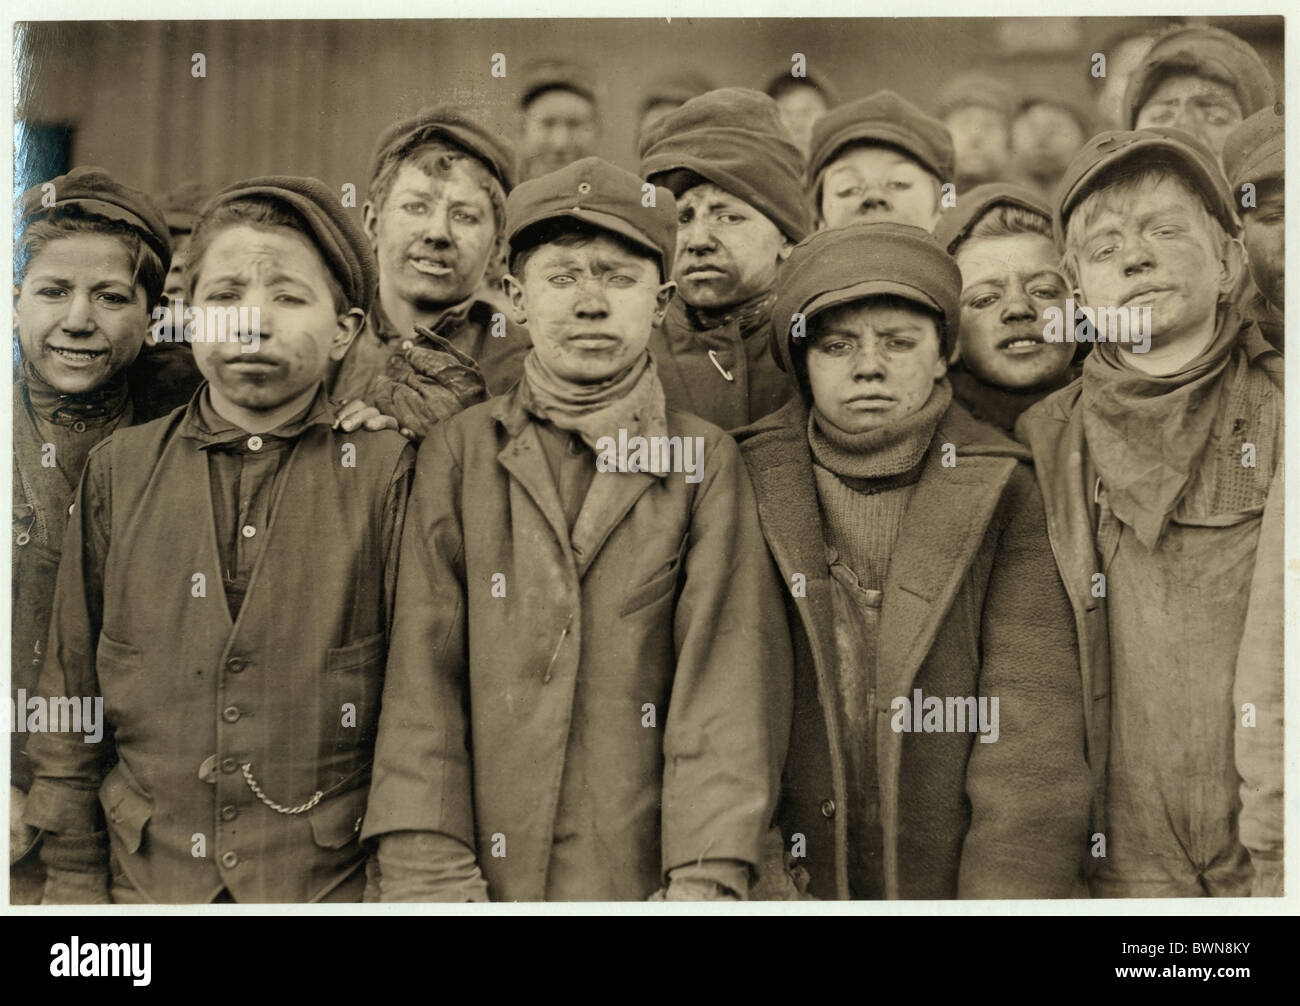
(90, 258)
(1001, 238)
(878, 158)
(588, 693)
(940, 746)
(1158, 468)
(1201, 80)
(801, 100)
(561, 122)
(1254, 159)
(735, 172)
(435, 217)
(186, 536)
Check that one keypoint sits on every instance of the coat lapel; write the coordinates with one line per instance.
(608, 500)
(525, 460)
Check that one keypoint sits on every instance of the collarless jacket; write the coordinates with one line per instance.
(587, 708)
(199, 710)
(694, 382)
(972, 606)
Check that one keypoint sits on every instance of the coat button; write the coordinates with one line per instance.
(79, 426)
(230, 714)
(248, 531)
(255, 443)
(236, 664)
(23, 538)
(229, 766)
(229, 812)
(229, 860)
(828, 808)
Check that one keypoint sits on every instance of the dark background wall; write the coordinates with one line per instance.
(310, 97)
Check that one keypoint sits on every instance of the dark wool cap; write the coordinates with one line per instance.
(604, 195)
(342, 243)
(883, 118)
(734, 138)
(1256, 150)
(181, 207)
(1205, 52)
(453, 126)
(92, 192)
(844, 264)
(1155, 145)
(955, 224)
(556, 75)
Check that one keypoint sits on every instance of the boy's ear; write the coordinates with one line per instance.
(787, 246)
(662, 299)
(1232, 263)
(350, 325)
(370, 221)
(515, 291)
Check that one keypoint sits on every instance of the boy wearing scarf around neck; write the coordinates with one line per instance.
(736, 174)
(939, 751)
(238, 726)
(90, 266)
(589, 686)
(1001, 238)
(1161, 475)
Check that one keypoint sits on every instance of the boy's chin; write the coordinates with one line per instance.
(259, 397)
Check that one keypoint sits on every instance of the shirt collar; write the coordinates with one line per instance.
(203, 423)
(387, 331)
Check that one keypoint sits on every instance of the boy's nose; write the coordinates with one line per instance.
(79, 319)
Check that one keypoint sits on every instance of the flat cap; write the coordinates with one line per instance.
(453, 126)
(844, 264)
(92, 192)
(734, 138)
(342, 243)
(549, 74)
(181, 205)
(887, 118)
(1205, 52)
(603, 195)
(956, 224)
(1156, 144)
(1256, 150)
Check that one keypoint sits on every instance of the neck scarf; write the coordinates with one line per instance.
(54, 406)
(749, 316)
(632, 400)
(1147, 434)
(882, 453)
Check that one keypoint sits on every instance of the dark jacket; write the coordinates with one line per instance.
(694, 382)
(620, 706)
(199, 710)
(972, 606)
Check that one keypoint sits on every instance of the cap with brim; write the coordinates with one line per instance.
(955, 225)
(492, 150)
(1256, 150)
(93, 192)
(869, 288)
(1204, 52)
(1105, 150)
(556, 75)
(595, 192)
(885, 118)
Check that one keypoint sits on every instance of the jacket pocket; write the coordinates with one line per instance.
(337, 823)
(112, 651)
(355, 674)
(127, 807)
(654, 589)
(358, 655)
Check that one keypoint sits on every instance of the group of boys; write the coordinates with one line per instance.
(828, 630)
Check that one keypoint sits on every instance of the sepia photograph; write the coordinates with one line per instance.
(783, 460)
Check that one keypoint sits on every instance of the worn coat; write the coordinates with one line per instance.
(1067, 477)
(694, 382)
(200, 709)
(972, 606)
(586, 708)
